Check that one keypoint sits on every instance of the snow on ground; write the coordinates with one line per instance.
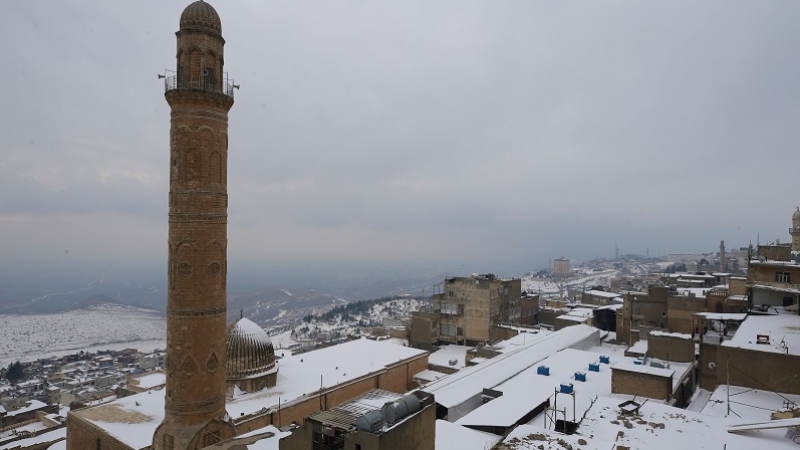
(536, 284)
(450, 356)
(747, 405)
(113, 327)
(450, 436)
(382, 314)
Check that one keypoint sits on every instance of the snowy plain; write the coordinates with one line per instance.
(103, 327)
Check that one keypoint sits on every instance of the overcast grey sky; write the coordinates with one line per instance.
(505, 132)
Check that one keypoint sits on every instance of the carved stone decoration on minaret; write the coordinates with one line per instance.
(200, 96)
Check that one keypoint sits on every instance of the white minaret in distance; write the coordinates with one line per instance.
(795, 231)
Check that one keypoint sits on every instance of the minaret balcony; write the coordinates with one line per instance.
(175, 83)
(794, 230)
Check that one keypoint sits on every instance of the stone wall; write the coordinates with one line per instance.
(640, 384)
(749, 368)
(670, 348)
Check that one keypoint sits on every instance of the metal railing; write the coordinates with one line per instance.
(175, 82)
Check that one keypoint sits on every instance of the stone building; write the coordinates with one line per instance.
(199, 98)
(774, 283)
(251, 362)
(795, 230)
(306, 384)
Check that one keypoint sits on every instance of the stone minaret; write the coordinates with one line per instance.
(795, 231)
(199, 97)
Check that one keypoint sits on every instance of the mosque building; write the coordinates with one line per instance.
(222, 381)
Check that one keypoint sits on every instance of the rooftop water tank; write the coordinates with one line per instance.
(371, 422)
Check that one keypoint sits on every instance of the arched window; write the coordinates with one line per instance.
(210, 73)
(195, 67)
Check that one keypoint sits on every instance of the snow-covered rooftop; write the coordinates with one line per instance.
(29, 406)
(722, 316)
(698, 292)
(603, 294)
(450, 436)
(658, 427)
(450, 353)
(670, 334)
(642, 368)
(461, 386)
(747, 404)
(783, 331)
(268, 438)
(299, 375)
(151, 380)
(134, 419)
(56, 434)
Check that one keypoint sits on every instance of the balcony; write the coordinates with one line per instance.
(174, 83)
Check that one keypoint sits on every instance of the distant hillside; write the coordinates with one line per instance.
(273, 305)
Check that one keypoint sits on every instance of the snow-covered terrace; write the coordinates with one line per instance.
(299, 375)
(658, 427)
(783, 331)
(450, 353)
(747, 404)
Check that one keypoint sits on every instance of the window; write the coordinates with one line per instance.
(450, 308)
(782, 277)
(99, 444)
(447, 329)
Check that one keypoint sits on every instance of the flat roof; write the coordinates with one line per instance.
(299, 375)
(722, 316)
(747, 404)
(133, 420)
(448, 353)
(646, 368)
(662, 427)
(450, 436)
(783, 331)
(460, 386)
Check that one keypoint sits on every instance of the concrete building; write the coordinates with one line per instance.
(468, 307)
(375, 420)
(561, 267)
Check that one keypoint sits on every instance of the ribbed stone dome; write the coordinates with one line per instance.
(201, 15)
(249, 349)
(796, 215)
